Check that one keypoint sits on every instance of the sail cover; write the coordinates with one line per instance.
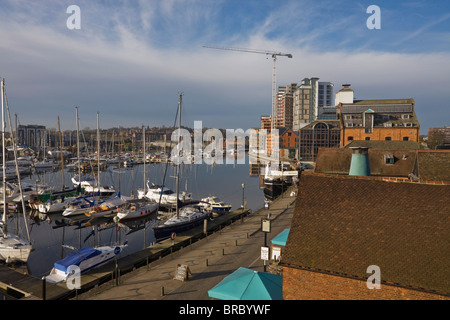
(76, 258)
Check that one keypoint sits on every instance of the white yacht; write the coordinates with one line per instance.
(167, 196)
(85, 258)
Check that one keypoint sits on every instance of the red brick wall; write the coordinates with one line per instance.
(306, 285)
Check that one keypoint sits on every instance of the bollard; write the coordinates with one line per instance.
(206, 262)
(43, 289)
(162, 291)
(236, 243)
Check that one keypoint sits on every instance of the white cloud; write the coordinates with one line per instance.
(132, 80)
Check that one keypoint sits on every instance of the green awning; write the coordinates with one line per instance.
(247, 284)
(281, 238)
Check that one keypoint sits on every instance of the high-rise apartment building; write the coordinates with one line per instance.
(266, 122)
(284, 105)
(311, 101)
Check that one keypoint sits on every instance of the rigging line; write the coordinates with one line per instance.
(14, 137)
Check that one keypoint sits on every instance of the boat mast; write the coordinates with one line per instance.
(14, 140)
(119, 147)
(78, 147)
(178, 153)
(143, 149)
(62, 156)
(5, 206)
(98, 153)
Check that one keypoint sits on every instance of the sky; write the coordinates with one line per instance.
(130, 60)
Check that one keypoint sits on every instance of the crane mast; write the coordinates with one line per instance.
(274, 55)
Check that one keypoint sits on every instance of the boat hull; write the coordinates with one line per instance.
(164, 231)
(95, 258)
(14, 249)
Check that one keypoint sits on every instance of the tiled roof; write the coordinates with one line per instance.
(337, 161)
(428, 165)
(384, 101)
(383, 144)
(343, 224)
(434, 165)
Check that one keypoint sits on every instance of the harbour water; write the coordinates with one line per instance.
(53, 234)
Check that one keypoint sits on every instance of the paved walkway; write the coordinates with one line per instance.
(210, 260)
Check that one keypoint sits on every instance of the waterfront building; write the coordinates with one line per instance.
(288, 143)
(284, 105)
(384, 119)
(31, 135)
(312, 100)
(318, 134)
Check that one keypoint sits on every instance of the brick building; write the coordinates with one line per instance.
(384, 119)
(288, 143)
(344, 224)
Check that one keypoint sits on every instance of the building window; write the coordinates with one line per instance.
(405, 138)
(350, 138)
(388, 138)
(388, 159)
(405, 116)
(367, 138)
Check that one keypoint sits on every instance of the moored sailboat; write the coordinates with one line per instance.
(186, 217)
(12, 247)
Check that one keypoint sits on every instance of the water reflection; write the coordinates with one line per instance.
(53, 235)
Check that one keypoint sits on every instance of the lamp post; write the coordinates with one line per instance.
(243, 188)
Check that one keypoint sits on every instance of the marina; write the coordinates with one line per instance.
(110, 274)
(52, 233)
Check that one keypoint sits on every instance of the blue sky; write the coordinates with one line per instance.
(131, 59)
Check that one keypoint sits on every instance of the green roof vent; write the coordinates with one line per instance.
(359, 165)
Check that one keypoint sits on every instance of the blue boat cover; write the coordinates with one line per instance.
(75, 258)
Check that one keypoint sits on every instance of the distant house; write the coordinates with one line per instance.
(344, 225)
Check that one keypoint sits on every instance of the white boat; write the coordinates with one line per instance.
(167, 196)
(90, 186)
(29, 189)
(136, 209)
(81, 205)
(85, 259)
(108, 207)
(45, 164)
(13, 248)
(56, 205)
(214, 204)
